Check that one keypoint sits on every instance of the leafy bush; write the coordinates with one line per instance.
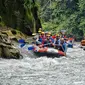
(64, 14)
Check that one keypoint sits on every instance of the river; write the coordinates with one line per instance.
(68, 70)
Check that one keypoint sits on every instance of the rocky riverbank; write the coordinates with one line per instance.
(7, 48)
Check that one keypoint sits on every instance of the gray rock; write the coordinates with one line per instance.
(7, 50)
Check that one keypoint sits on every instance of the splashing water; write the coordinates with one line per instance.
(68, 70)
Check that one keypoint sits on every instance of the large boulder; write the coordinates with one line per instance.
(7, 50)
(14, 35)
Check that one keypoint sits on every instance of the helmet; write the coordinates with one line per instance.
(39, 31)
(49, 33)
(57, 34)
(62, 39)
(40, 28)
(42, 33)
(33, 33)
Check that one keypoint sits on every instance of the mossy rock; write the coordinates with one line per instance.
(14, 34)
(0, 51)
(9, 52)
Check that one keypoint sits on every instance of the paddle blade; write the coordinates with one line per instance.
(30, 48)
(21, 41)
(22, 45)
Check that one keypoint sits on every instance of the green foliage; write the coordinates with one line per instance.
(54, 14)
(12, 12)
(2, 24)
(64, 14)
(20, 14)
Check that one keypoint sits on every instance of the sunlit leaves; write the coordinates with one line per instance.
(65, 14)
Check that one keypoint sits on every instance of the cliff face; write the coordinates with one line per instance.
(20, 14)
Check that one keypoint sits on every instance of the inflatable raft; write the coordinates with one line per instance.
(49, 52)
(83, 44)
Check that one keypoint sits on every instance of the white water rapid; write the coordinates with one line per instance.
(68, 70)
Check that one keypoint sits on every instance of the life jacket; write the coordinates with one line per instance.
(54, 36)
(52, 39)
(43, 39)
(71, 39)
(40, 39)
(58, 42)
(64, 47)
(63, 36)
(48, 43)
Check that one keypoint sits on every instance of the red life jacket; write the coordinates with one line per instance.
(65, 37)
(43, 39)
(71, 39)
(53, 36)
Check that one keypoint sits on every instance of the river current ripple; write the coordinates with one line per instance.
(68, 70)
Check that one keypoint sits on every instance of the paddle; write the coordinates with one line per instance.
(21, 41)
(22, 45)
(31, 48)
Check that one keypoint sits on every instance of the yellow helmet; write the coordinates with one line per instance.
(42, 33)
(33, 33)
(40, 28)
(57, 34)
(49, 33)
(39, 31)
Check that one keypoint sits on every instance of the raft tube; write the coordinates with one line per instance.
(83, 47)
(49, 52)
(83, 42)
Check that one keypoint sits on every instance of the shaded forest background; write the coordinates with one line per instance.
(64, 14)
(20, 14)
(53, 15)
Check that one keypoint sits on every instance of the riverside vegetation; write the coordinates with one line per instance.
(63, 14)
(29, 15)
(51, 15)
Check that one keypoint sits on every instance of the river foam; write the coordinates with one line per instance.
(68, 70)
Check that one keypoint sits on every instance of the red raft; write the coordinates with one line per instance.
(83, 44)
(49, 52)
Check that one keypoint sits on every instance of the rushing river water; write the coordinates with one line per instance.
(68, 70)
